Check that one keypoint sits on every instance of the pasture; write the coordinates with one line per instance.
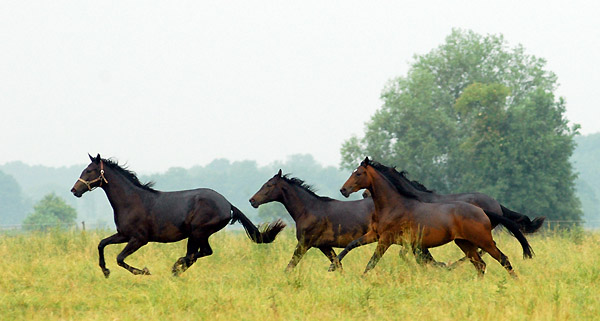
(55, 276)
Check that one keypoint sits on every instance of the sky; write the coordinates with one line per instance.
(161, 84)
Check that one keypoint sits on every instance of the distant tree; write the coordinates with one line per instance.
(272, 211)
(474, 115)
(50, 212)
(12, 205)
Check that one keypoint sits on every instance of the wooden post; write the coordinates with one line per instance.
(83, 225)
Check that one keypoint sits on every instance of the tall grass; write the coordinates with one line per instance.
(55, 276)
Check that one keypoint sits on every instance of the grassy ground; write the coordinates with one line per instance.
(54, 276)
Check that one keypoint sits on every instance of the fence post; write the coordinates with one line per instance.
(83, 225)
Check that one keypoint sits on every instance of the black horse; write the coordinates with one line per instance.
(144, 215)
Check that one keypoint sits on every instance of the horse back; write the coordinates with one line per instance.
(173, 215)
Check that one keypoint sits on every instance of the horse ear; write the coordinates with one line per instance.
(279, 173)
(365, 161)
(91, 158)
(98, 158)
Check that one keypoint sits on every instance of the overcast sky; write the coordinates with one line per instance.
(180, 83)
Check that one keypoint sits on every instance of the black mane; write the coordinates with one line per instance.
(130, 175)
(415, 184)
(300, 183)
(393, 176)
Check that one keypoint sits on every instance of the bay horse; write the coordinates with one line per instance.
(400, 218)
(143, 214)
(485, 202)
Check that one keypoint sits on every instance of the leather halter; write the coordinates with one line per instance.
(100, 178)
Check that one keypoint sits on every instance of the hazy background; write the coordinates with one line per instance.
(163, 84)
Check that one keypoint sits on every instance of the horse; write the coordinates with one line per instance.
(321, 222)
(485, 202)
(143, 214)
(400, 218)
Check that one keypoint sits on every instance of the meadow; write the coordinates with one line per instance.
(55, 276)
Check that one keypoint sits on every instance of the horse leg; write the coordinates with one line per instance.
(330, 254)
(423, 256)
(113, 239)
(184, 262)
(470, 251)
(382, 246)
(297, 256)
(369, 237)
(495, 252)
(133, 245)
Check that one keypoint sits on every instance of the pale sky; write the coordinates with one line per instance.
(159, 84)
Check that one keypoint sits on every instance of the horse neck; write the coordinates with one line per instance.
(421, 195)
(296, 201)
(384, 194)
(120, 191)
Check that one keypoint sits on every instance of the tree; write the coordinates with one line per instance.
(12, 205)
(50, 212)
(271, 211)
(474, 115)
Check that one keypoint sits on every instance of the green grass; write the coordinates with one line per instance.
(55, 276)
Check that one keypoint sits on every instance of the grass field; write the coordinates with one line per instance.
(55, 276)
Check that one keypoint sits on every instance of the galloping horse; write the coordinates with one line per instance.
(321, 222)
(401, 218)
(144, 215)
(485, 202)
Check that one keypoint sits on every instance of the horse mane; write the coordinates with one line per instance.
(415, 184)
(309, 188)
(394, 177)
(130, 175)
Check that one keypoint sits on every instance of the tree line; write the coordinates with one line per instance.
(473, 114)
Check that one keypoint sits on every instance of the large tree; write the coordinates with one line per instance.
(476, 115)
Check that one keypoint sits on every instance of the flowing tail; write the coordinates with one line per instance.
(514, 229)
(268, 233)
(525, 224)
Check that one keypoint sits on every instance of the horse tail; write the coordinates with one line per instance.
(525, 224)
(515, 230)
(268, 233)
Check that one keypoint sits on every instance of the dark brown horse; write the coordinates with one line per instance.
(485, 202)
(144, 215)
(321, 222)
(401, 218)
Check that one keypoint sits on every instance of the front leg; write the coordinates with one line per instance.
(113, 239)
(133, 245)
(298, 254)
(382, 246)
(369, 237)
(330, 254)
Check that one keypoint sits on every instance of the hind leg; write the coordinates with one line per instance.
(493, 250)
(196, 248)
(470, 251)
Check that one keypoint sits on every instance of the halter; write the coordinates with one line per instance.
(100, 178)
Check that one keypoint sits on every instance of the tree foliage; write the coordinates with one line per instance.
(12, 204)
(50, 212)
(476, 115)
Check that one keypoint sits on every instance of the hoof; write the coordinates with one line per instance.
(145, 271)
(106, 273)
(334, 267)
